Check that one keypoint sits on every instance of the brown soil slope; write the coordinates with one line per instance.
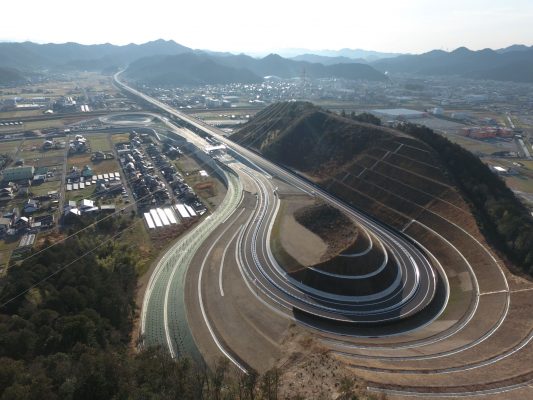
(382, 171)
(401, 181)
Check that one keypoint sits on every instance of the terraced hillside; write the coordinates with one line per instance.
(482, 339)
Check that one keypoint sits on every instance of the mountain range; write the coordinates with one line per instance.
(327, 60)
(187, 69)
(354, 54)
(31, 56)
(514, 63)
(194, 68)
(173, 63)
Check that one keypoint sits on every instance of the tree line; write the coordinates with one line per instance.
(69, 336)
(502, 217)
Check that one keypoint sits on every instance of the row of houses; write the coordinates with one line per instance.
(86, 206)
(146, 185)
(12, 223)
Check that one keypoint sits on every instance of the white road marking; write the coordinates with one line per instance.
(223, 258)
(202, 308)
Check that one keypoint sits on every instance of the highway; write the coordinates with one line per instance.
(163, 306)
(239, 300)
(412, 289)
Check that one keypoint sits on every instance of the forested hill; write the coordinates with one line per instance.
(505, 221)
(187, 69)
(359, 161)
(308, 138)
(512, 64)
(9, 76)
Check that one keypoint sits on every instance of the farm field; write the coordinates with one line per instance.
(10, 147)
(44, 188)
(120, 138)
(99, 142)
(99, 167)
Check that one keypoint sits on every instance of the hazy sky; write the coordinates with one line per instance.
(251, 26)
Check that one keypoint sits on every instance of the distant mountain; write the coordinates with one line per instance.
(326, 60)
(31, 56)
(274, 64)
(512, 65)
(514, 47)
(202, 68)
(186, 69)
(356, 54)
(9, 76)
(368, 55)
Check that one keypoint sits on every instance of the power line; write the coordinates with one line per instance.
(68, 264)
(95, 223)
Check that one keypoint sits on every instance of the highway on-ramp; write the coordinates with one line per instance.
(238, 298)
(412, 289)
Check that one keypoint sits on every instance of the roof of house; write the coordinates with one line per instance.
(87, 203)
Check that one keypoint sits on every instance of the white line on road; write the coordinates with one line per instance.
(202, 308)
(223, 258)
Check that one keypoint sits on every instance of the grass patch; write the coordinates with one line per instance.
(80, 194)
(479, 146)
(44, 188)
(120, 138)
(99, 167)
(521, 183)
(140, 239)
(10, 147)
(20, 114)
(99, 142)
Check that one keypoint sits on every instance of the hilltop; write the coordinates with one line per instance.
(309, 139)
(187, 69)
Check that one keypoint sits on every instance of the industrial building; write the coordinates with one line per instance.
(486, 132)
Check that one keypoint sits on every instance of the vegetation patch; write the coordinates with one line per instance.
(333, 226)
(502, 217)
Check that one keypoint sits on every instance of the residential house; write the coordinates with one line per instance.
(31, 206)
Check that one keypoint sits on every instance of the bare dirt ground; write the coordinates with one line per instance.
(303, 245)
(407, 192)
(310, 371)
